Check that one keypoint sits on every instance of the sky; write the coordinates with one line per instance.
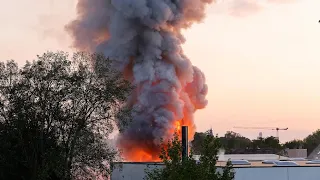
(261, 58)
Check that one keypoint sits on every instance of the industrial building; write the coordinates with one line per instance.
(255, 170)
(246, 166)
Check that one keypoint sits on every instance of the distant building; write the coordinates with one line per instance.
(297, 153)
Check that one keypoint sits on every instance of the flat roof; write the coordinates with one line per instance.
(223, 164)
(260, 164)
(249, 157)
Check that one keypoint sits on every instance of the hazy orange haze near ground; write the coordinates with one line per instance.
(261, 61)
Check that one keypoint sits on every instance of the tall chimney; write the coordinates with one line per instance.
(184, 142)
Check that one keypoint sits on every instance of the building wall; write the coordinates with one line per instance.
(136, 171)
(297, 153)
(278, 173)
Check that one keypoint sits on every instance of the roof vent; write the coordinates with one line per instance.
(313, 162)
(240, 162)
(285, 163)
(297, 159)
(269, 161)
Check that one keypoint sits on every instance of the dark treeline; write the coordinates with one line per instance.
(235, 143)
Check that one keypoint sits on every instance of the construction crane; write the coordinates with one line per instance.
(267, 128)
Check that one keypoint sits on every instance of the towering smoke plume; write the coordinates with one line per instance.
(143, 38)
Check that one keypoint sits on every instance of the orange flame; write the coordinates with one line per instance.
(152, 153)
(139, 154)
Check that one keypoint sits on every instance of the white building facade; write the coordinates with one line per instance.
(136, 171)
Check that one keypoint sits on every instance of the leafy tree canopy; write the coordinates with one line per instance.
(176, 168)
(55, 116)
(312, 141)
(294, 144)
(234, 143)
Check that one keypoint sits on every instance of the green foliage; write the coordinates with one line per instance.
(233, 140)
(312, 141)
(294, 144)
(196, 143)
(56, 114)
(234, 143)
(176, 168)
(268, 142)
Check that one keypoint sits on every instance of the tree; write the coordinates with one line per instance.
(196, 143)
(176, 168)
(56, 114)
(312, 141)
(268, 142)
(268, 145)
(294, 144)
(233, 141)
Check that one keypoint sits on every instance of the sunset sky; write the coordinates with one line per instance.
(261, 58)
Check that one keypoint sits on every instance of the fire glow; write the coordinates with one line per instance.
(143, 38)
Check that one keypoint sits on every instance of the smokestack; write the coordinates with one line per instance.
(184, 142)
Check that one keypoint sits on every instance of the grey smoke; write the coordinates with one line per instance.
(143, 38)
